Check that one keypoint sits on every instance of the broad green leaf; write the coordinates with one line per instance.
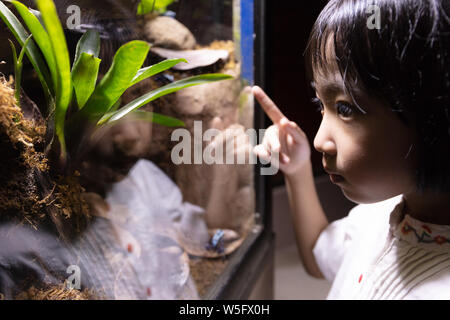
(155, 94)
(127, 61)
(62, 60)
(157, 118)
(40, 36)
(84, 77)
(88, 43)
(155, 69)
(32, 51)
(146, 6)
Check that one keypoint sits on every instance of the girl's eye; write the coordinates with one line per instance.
(344, 109)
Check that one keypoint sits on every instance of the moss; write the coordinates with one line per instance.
(28, 193)
(56, 292)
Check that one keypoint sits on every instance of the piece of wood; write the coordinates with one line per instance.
(196, 58)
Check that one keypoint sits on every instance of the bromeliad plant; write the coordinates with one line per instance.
(67, 86)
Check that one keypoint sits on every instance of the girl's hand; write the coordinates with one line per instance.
(284, 138)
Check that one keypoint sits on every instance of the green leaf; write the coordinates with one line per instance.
(155, 94)
(22, 52)
(40, 36)
(32, 51)
(157, 118)
(37, 14)
(88, 43)
(146, 6)
(84, 77)
(155, 69)
(127, 61)
(16, 71)
(14, 52)
(18, 67)
(62, 60)
(116, 105)
(85, 66)
(149, 117)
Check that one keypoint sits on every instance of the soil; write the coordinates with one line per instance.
(59, 292)
(30, 193)
(205, 272)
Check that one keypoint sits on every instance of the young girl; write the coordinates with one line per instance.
(385, 138)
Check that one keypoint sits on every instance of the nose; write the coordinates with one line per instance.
(323, 141)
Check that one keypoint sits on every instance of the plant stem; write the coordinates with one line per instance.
(18, 66)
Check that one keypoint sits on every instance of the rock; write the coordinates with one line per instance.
(216, 99)
(128, 138)
(168, 33)
(191, 101)
(242, 210)
(224, 190)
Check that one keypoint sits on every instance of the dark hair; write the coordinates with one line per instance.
(404, 62)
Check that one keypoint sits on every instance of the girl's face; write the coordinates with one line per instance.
(369, 151)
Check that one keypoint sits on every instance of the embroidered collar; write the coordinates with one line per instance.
(414, 231)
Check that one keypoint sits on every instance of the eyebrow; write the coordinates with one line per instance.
(332, 89)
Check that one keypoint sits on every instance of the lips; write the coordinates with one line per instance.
(334, 177)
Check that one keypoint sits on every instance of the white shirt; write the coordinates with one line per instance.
(378, 252)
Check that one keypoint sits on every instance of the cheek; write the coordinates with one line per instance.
(373, 171)
(354, 162)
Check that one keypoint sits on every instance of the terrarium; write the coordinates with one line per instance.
(127, 130)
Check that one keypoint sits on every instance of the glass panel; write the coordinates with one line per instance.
(169, 202)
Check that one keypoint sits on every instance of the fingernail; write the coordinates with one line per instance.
(255, 89)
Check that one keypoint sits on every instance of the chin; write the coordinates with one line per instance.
(361, 198)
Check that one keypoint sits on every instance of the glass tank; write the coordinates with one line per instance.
(127, 129)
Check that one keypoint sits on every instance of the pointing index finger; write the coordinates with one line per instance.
(269, 107)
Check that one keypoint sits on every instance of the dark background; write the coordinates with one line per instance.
(288, 24)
